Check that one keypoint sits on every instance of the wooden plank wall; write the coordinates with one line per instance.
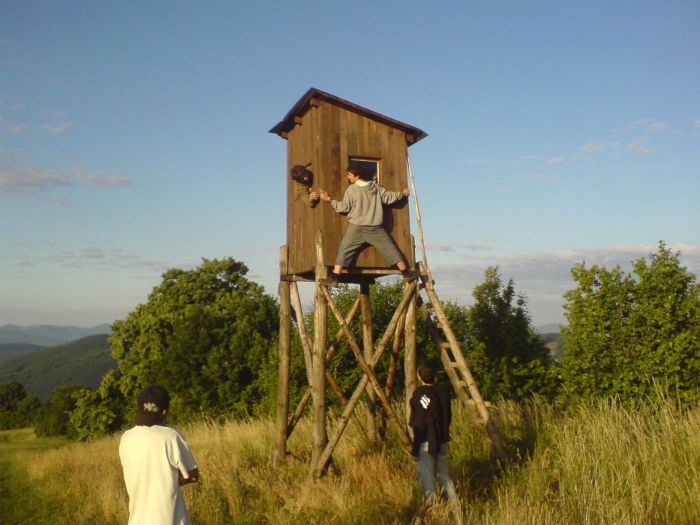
(327, 137)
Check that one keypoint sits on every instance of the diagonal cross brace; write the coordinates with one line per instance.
(322, 463)
(303, 335)
(329, 355)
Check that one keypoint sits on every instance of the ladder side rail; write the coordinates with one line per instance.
(457, 382)
(471, 383)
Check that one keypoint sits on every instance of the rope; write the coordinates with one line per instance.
(418, 217)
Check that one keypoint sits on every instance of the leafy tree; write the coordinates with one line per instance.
(53, 419)
(506, 356)
(204, 334)
(17, 408)
(11, 393)
(627, 332)
(102, 411)
(27, 410)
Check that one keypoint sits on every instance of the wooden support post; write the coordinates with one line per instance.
(409, 357)
(368, 346)
(394, 358)
(283, 365)
(318, 374)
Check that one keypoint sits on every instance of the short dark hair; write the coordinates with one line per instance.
(426, 371)
(302, 175)
(355, 170)
(150, 405)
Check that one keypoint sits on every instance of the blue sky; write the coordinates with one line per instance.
(134, 138)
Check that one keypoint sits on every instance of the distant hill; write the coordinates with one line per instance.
(10, 350)
(48, 335)
(554, 343)
(548, 329)
(82, 362)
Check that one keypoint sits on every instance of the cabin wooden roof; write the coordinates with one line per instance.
(302, 106)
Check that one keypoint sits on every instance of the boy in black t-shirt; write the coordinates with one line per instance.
(430, 419)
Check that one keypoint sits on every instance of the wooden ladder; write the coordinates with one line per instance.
(453, 360)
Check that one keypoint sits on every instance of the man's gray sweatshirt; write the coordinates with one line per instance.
(363, 203)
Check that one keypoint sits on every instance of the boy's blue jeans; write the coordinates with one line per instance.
(433, 470)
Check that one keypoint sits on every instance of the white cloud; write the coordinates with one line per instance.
(597, 148)
(649, 125)
(539, 176)
(457, 248)
(16, 128)
(542, 277)
(55, 128)
(656, 127)
(95, 258)
(639, 146)
(480, 161)
(31, 179)
(96, 180)
(556, 160)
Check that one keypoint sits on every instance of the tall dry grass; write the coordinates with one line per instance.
(598, 464)
(604, 464)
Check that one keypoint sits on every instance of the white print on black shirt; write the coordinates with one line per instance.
(425, 401)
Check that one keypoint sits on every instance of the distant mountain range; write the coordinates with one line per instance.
(548, 329)
(82, 362)
(48, 335)
(554, 344)
(10, 350)
(30, 356)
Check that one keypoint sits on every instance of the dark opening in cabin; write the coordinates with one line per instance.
(369, 168)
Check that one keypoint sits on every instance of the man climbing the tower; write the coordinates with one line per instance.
(363, 203)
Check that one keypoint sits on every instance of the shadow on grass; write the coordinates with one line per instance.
(481, 475)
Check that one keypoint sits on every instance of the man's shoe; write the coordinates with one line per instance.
(331, 281)
(410, 275)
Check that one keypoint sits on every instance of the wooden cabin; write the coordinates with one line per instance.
(325, 134)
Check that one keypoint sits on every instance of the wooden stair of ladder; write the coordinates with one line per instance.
(455, 365)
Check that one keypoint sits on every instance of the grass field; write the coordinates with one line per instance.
(598, 464)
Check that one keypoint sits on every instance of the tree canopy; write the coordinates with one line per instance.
(508, 359)
(628, 333)
(204, 334)
(209, 335)
(17, 408)
(53, 417)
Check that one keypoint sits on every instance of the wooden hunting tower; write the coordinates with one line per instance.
(324, 135)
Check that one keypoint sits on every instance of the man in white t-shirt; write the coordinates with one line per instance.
(156, 461)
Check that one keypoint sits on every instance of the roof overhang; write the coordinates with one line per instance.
(413, 134)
